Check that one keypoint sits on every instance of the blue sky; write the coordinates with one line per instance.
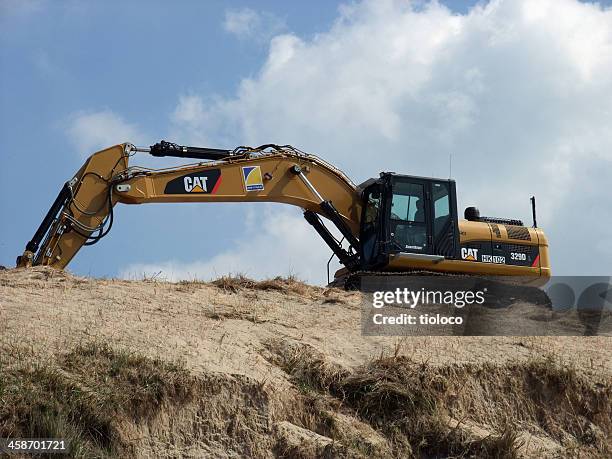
(135, 58)
(141, 64)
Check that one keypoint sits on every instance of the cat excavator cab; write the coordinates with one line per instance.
(394, 223)
(410, 217)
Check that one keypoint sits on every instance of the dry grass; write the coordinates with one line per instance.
(410, 400)
(412, 404)
(309, 367)
(84, 395)
(233, 284)
(289, 284)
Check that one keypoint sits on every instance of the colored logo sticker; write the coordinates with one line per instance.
(252, 178)
(205, 182)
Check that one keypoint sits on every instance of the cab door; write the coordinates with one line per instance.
(371, 233)
(444, 224)
(409, 218)
(422, 217)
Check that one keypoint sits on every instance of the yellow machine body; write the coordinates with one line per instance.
(83, 212)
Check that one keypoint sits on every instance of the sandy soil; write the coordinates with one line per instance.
(217, 331)
(213, 329)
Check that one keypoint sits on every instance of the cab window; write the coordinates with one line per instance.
(408, 203)
(407, 225)
(369, 227)
(441, 207)
(372, 207)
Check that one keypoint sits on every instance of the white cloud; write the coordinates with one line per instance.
(241, 22)
(92, 131)
(518, 91)
(276, 241)
(187, 119)
(246, 23)
(431, 82)
(190, 110)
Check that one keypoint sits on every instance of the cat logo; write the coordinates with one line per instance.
(469, 254)
(252, 178)
(201, 182)
(195, 184)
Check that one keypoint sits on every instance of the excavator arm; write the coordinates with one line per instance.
(82, 214)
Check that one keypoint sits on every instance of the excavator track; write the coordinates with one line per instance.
(352, 281)
(500, 292)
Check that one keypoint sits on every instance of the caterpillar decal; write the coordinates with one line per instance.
(469, 254)
(206, 182)
(501, 253)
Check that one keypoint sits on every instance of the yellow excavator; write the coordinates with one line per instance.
(393, 223)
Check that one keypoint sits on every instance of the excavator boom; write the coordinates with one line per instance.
(82, 214)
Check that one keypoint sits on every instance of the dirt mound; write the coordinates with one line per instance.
(278, 368)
